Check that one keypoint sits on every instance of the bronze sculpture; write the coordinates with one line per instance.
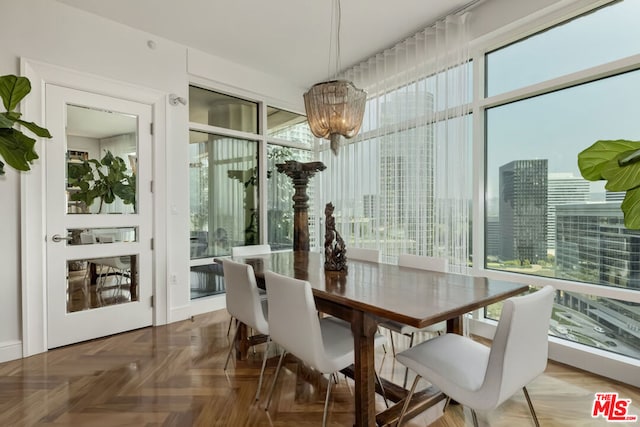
(335, 251)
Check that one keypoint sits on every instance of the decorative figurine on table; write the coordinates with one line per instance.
(335, 251)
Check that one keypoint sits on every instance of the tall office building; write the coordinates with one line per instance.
(563, 189)
(406, 199)
(493, 242)
(614, 196)
(593, 245)
(523, 210)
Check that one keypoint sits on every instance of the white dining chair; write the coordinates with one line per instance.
(325, 344)
(423, 263)
(363, 254)
(118, 266)
(245, 304)
(482, 377)
(249, 250)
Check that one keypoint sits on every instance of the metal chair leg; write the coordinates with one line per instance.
(383, 346)
(264, 363)
(384, 395)
(407, 400)
(229, 328)
(475, 418)
(393, 347)
(533, 412)
(406, 370)
(446, 404)
(233, 342)
(275, 378)
(326, 402)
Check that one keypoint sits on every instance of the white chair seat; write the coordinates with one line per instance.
(338, 341)
(445, 354)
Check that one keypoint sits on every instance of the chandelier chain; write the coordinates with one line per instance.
(334, 38)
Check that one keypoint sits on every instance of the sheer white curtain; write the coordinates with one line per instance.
(403, 184)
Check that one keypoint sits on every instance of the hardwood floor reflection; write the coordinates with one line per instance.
(173, 376)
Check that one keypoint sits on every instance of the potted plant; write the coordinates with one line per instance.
(16, 148)
(618, 163)
(103, 179)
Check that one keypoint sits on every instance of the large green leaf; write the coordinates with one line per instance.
(39, 131)
(5, 121)
(13, 89)
(17, 149)
(621, 178)
(617, 162)
(593, 160)
(631, 209)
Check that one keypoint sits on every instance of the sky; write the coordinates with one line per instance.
(559, 125)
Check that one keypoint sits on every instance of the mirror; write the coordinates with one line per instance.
(101, 161)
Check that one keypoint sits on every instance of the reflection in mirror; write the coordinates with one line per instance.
(101, 161)
(99, 282)
(223, 193)
(89, 236)
(288, 126)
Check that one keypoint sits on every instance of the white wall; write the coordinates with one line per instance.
(49, 32)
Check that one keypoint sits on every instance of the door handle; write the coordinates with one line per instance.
(59, 238)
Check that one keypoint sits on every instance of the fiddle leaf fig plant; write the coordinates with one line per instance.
(103, 179)
(618, 163)
(16, 148)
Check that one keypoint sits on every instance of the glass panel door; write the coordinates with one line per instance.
(224, 203)
(98, 216)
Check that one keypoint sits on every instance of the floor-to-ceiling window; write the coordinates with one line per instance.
(547, 98)
(229, 144)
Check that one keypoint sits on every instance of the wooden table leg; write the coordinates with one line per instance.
(242, 343)
(364, 328)
(454, 325)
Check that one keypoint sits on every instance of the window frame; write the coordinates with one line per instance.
(260, 137)
(562, 350)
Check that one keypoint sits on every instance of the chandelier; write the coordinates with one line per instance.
(336, 107)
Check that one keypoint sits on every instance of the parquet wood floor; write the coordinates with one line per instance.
(173, 376)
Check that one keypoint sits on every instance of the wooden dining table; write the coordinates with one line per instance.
(370, 292)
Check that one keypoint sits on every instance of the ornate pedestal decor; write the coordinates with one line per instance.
(335, 251)
(300, 174)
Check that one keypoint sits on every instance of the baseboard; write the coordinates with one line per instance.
(208, 304)
(177, 314)
(611, 365)
(10, 350)
(198, 306)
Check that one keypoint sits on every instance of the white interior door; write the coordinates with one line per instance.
(99, 216)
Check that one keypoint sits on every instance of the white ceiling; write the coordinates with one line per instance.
(286, 38)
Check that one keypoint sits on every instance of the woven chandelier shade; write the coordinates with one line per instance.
(335, 108)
